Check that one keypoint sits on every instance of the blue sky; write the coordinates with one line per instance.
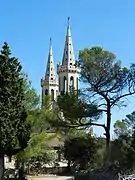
(27, 26)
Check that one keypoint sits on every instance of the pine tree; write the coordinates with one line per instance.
(14, 129)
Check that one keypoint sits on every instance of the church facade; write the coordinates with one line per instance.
(67, 77)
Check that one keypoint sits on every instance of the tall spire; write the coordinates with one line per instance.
(68, 28)
(68, 55)
(50, 70)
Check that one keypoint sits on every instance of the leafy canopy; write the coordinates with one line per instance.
(81, 150)
(31, 98)
(14, 129)
(108, 83)
(39, 138)
(72, 112)
(126, 125)
(105, 76)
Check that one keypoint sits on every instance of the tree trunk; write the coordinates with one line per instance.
(69, 166)
(21, 170)
(107, 152)
(107, 137)
(1, 165)
(69, 163)
(108, 125)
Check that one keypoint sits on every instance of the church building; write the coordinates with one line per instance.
(67, 77)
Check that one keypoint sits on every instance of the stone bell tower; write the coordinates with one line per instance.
(49, 83)
(68, 71)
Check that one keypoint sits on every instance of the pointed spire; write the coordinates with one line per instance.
(68, 55)
(68, 28)
(50, 48)
(50, 71)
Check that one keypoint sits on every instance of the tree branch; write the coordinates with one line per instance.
(104, 110)
(81, 124)
(122, 96)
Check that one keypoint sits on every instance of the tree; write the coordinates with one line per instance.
(40, 135)
(120, 128)
(31, 103)
(45, 115)
(123, 147)
(123, 153)
(73, 117)
(31, 98)
(37, 154)
(126, 125)
(72, 112)
(81, 151)
(108, 82)
(14, 129)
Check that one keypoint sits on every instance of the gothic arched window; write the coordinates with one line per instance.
(46, 92)
(64, 84)
(71, 83)
(77, 83)
(52, 94)
(59, 84)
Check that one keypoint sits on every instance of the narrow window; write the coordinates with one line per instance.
(71, 83)
(52, 94)
(64, 84)
(46, 92)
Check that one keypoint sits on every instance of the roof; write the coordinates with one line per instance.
(55, 140)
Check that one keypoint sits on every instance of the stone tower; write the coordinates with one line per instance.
(49, 83)
(68, 71)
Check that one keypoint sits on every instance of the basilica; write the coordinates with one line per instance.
(67, 76)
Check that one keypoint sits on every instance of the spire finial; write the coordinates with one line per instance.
(68, 28)
(68, 20)
(50, 48)
(50, 41)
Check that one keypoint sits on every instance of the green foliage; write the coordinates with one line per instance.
(71, 106)
(39, 161)
(39, 120)
(31, 100)
(105, 76)
(129, 122)
(81, 151)
(75, 108)
(38, 147)
(46, 115)
(73, 112)
(123, 148)
(120, 128)
(123, 153)
(14, 128)
(101, 70)
(125, 126)
(108, 82)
